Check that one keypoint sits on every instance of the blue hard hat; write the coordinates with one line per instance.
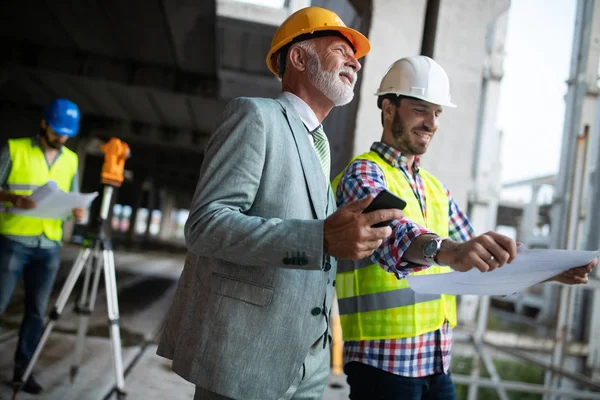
(63, 117)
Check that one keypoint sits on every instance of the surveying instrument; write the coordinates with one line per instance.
(95, 255)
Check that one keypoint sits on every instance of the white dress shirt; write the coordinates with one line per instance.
(307, 115)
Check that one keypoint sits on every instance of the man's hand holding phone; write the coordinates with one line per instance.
(385, 201)
(357, 229)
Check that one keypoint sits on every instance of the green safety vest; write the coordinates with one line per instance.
(373, 303)
(30, 171)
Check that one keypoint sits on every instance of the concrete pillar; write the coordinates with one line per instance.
(150, 204)
(135, 206)
(166, 223)
(590, 233)
(530, 216)
(485, 192)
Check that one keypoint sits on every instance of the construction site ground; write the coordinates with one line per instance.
(146, 283)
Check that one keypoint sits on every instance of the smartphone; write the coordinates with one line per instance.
(383, 201)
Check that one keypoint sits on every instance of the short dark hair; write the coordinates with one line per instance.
(282, 53)
(394, 98)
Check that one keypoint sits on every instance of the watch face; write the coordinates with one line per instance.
(430, 248)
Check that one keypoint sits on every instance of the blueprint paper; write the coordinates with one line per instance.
(531, 266)
(51, 202)
(43, 192)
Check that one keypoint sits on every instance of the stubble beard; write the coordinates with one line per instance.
(49, 142)
(402, 138)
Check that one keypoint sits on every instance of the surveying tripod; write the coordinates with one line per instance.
(96, 255)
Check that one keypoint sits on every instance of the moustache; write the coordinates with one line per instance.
(424, 129)
(349, 71)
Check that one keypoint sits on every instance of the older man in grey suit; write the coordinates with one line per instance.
(250, 316)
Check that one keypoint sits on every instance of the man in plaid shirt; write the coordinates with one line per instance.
(411, 97)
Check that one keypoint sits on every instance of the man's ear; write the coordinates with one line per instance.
(388, 109)
(297, 58)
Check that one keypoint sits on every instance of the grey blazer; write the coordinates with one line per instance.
(246, 310)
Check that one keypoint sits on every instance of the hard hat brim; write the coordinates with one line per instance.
(439, 103)
(62, 131)
(359, 41)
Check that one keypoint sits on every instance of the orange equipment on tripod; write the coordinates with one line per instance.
(115, 154)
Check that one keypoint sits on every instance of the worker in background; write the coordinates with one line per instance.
(29, 246)
(397, 343)
(250, 316)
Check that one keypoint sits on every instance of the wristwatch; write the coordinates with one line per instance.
(431, 249)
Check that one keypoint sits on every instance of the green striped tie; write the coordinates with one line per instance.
(322, 149)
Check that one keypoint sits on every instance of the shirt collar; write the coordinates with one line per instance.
(394, 156)
(306, 114)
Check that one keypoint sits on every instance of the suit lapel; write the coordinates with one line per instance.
(313, 173)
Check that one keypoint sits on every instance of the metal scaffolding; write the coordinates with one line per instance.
(482, 358)
(575, 219)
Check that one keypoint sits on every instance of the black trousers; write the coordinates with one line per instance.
(370, 383)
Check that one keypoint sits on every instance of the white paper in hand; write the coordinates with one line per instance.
(51, 202)
(43, 192)
(529, 267)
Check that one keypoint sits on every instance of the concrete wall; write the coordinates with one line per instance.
(461, 49)
(396, 31)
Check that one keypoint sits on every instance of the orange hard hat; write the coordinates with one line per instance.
(310, 20)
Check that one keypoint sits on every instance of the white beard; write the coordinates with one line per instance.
(330, 83)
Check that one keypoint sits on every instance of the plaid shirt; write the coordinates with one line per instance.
(422, 355)
(42, 240)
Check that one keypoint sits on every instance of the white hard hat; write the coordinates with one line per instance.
(419, 77)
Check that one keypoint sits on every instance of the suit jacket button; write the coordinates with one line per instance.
(327, 266)
(316, 311)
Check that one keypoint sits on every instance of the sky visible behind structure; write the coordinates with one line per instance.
(532, 105)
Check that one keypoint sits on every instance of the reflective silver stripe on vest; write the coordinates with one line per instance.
(383, 301)
(20, 186)
(347, 266)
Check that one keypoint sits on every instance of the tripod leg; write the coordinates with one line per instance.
(85, 308)
(65, 292)
(113, 319)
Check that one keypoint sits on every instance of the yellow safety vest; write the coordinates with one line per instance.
(30, 171)
(375, 304)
